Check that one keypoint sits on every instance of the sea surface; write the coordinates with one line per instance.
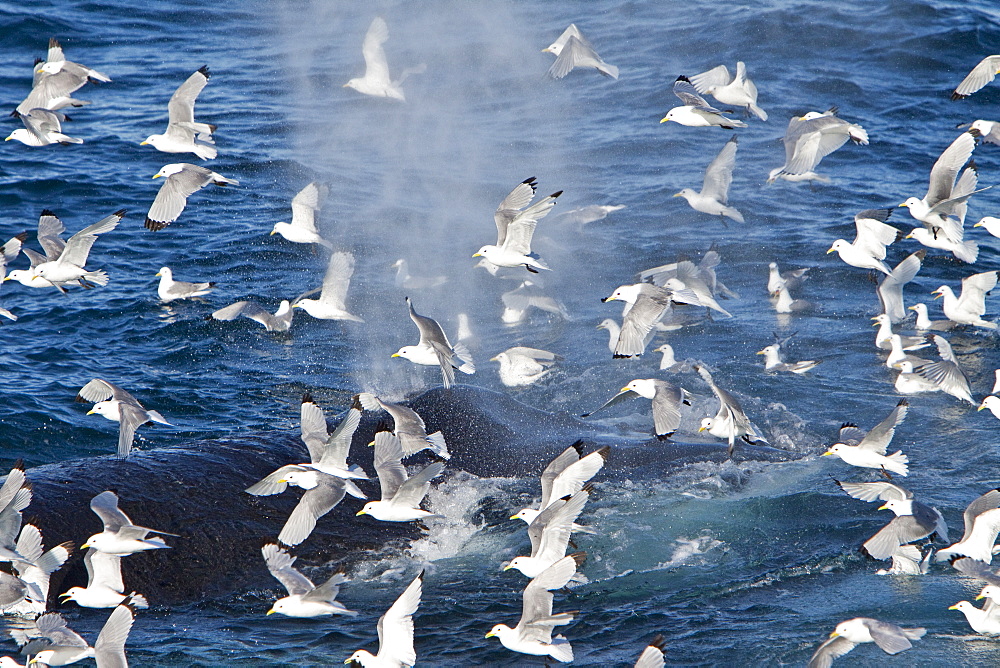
(738, 563)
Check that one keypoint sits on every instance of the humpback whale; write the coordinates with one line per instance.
(195, 490)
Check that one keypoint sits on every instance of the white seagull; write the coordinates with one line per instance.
(117, 405)
(182, 180)
(401, 496)
(304, 598)
(696, 112)
(332, 302)
(70, 265)
(395, 632)
(736, 90)
(714, 195)
(867, 449)
(868, 249)
(376, 81)
(434, 349)
(810, 138)
(183, 133)
(571, 50)
(302, 229)
(42, 128)
(983, 73)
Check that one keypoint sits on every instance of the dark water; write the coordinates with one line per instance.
(747, 562)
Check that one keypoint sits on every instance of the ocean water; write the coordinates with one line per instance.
(742, 562)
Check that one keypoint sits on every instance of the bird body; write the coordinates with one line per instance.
(714, 195)
(183, 134)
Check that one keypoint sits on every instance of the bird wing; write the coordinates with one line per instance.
(873, 234)
(316, 502)
(305, 204)
(388, 463)
(652, 656)
(899, 531)
(52, 626)
(617, 399)
(105, 506)
(890, 638)
(555, 535)
(890, 290)
(719, 174)
(49, 230)
(878, 439)
(395, 627)
(870, 491)
(831, 649)
(269, 485)
(172, 196)
(131, 416)
(981, 74)
(690, 97)
(946, 168)
(564, 460)
(537, 525)
(974, 289)
(40, 122)
(313, 428)
(638, 323)
(180, 109)
(717, 76)
(430, 330)
(977, 569)
(327, 591)
(988, 501)
(104, 570)
(519, 234)
(667, 407)
(517, 199)
(575, 51)
(729, 407)
(947, 375)
(376, 66)
(412, 492)
(109, 648)
(572, 479)
(78, 246)
(279, 563)
(337, 279)
(100, 390)
(338, 445)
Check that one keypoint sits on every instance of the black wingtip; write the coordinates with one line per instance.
(659, 642)
(154, 225)
(120, 213)
(307, 397)
(47, 212)
(958, 96)
(556, 194)
(578, 445)
(682, 78)
(204, 70)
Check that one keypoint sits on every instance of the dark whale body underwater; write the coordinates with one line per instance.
(196, 491)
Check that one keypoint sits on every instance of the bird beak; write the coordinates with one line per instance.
(701, 429)
(477, 255)
(761, 352)
(625, 389)
(144, 143)
(85, 546)
(64, 594)
(156, 176)
(826, 453)
(937, 293)
(981, 406)
(979, 224)
(296, 305)
(272, 233)
(904, 204)
(346, 86)
(494, 359)
(664, 119)
(394, 355)
(676, 195)
(507, 567)
(883, 507)
(909, 236)
(608, 299)
(953, 607)
(979, 597)
(834, 634)
(360, 512)
(91, 411)
(830, 251)
(282, 481)
(491, 634)
(911, 308)
(159, 273)
(270, 612)
(514, 517)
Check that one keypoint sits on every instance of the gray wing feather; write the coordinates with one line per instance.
(891, 638)
(987, 501)
(870, 491)
(109, 649)
(315, 503)
(412, 492)
(717, 76)
(105, 506)
(719, 174)
(878, 439)
(667, 408)
(180, 109)
(337, 279)
(78, 246)
(172, 196)
(279, 563)
(831, 649)
(900, 531)
(388, 464)
(981, 74)
(339, 444)
(313, 428)
(269, 484)
(564, 460)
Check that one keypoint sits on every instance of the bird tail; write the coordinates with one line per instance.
(98, 277)
(731, 212)
(757, 111)
(156, 417)
(139, 601)
(608, 70)
(205, 151)
(733, 123)
(967, 251)
(897, 463)
(462, 352)
(561, 650)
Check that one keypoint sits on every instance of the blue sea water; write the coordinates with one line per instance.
(745, 562)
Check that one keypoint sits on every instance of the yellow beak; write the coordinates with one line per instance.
(625, 389)
(494, 359)
(156, 176)
(272, 233)
(700, 429)
(90, 412)
(490, 634)
(883, 507)
(904, 204)
(144, 143)
(507, 567)
(514, 517)
(270, 612)
(761, 352)
(829, 251)
(825, 454)
(477, 255)
(979, 597)
(360, 512)
(676, 195)
(394, 355)
(953, 607)
(664, 119)
(834, 634)
(981, 407)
